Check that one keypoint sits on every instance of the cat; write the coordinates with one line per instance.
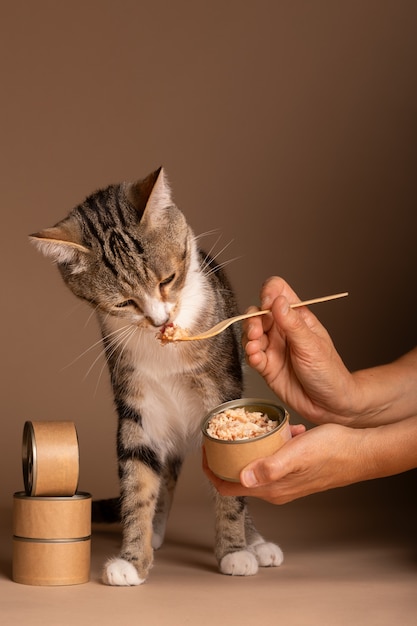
(130, 253)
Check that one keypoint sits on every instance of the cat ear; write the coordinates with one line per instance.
(59, 243)
(152, 195)
(160, 196)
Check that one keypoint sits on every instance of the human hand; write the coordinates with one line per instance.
(295, 355)
(322, 458)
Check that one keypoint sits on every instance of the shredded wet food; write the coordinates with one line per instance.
(171, 332)
(235, 424)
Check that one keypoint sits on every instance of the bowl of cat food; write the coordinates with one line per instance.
(240, 431)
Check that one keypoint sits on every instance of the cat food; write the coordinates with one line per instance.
(237, 432)
(170, 333)
(235, 424)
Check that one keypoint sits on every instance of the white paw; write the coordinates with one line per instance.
(242, 563)
(121, 573)
(268, 554)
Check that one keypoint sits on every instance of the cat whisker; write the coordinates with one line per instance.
(222, 250)
(114, 340)
(219, 266)
(120, 345)
(206, 234)
(207, 266)
(70, 311)
(102, 354)
(121, 339)
(92, 314)
(208, 254)
(99, 342)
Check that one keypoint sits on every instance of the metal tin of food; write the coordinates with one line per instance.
(50, 458)
(226, 458)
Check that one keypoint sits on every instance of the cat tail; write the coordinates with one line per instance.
(106, 511)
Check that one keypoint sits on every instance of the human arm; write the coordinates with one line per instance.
(367, 420)
(296, 356)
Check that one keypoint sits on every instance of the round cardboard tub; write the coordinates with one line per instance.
(51, 539)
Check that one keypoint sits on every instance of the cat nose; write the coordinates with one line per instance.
(156, 312)
(158, 320)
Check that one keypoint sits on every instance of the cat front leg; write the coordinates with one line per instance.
(139, 481)
(267, 554)
(166, 494)
(231, 550)
(239, 548)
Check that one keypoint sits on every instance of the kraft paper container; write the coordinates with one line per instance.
(225, 458)
(51, 563)
(52, 517)
(50, 457)
(51, 539)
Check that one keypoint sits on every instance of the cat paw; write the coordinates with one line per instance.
(158, 530)
(267, 554)
(241, 563)
(121, 573)
(157, 540)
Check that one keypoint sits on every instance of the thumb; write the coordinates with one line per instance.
(300, 325)
(264, 471)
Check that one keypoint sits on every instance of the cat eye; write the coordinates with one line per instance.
(167, 281)
(125, 303)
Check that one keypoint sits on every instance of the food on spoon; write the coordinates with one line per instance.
(236, 424)
(170, 333)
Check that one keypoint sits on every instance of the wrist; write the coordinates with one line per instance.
(344, 406)
(390, 449)
(364, 400)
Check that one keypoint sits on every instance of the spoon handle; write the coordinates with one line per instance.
(316, 300)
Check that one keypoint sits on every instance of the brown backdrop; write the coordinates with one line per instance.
(290, 127)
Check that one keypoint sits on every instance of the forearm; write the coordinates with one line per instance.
(390, 449)
(387, 393)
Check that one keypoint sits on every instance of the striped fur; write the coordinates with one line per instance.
(129, 252)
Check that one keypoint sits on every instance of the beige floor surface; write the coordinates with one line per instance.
(350, 558)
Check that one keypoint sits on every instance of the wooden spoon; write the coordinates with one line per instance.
(221, 326)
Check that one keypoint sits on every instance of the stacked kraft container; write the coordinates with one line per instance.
(51, 519)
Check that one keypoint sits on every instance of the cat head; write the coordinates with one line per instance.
(126, 250)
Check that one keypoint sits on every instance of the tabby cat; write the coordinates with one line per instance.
(129, 252)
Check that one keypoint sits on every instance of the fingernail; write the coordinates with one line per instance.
(249, 479)
(266, 302)
(285, 307)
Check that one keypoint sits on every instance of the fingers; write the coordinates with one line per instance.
(263, 472)
(255, 327)
(255, 341)
(287, 319)
(297, 429)
(274, 287)
(276, 295)
(271, 289)
(309, 340)
(252, 329)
